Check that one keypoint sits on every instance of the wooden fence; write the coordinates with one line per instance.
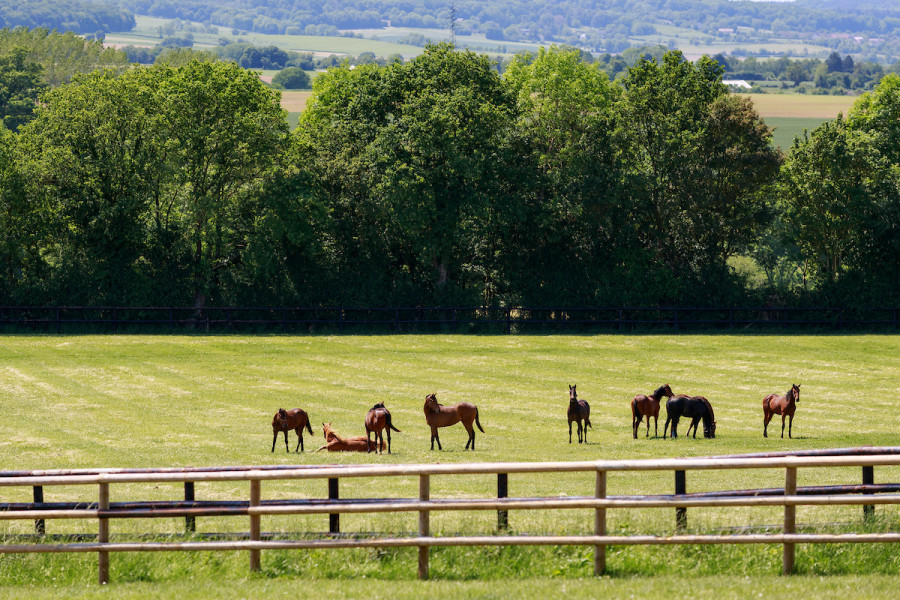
(464, 319)
(789, 497)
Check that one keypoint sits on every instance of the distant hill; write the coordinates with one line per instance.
(65, 15)
(848, 26)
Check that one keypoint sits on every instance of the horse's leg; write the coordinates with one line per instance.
(471, 431)
(767, 416)
(635, 422)
(274, 439)
(782, 425)
(434, 436)
(570, 431)
(369, 440)
(299, 439)
(648, 426)
(585, 429)
(790, 424)
(389, 439)
(287, 448)
(579, 429)
(655, 426)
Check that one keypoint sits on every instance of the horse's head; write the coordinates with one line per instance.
(795, 390)
(573, 395)
(281, 418)
(326, 430)
(431, 403)
(709, 429)
(377, 406)
(663, 390)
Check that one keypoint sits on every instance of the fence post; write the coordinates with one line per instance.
(103, 535)
(255, 497)
(424, 528)
(868, 478)
(39, 527)
(190, 523)
(790, 518)
(680, 489)
(334, 519)
(502, 492)
(600, 526)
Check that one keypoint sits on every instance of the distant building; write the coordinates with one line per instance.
(737, 83)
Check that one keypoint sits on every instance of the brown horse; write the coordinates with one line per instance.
(773, 404)
(648, 406)
(438, 415)
(285, 420)
(579, 410)
(378, 419)
(336, 443)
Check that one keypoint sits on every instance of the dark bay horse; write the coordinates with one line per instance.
(285, 420)
(773, 404)
(438, 415)
(579, 411)
(378, 419)
(648, 406)
(694, 408)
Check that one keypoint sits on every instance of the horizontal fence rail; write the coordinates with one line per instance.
(867, 495)
(411, 319)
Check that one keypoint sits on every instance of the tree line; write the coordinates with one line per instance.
(440, 182)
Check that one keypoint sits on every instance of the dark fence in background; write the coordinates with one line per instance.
(72, 319)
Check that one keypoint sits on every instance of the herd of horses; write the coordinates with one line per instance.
(378, 419)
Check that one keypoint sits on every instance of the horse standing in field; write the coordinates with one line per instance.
(378, 419)
(438, 415)
(336, 443)
(694, 408)
(773, 404)
(648, 406)
(285, 420)
(579, 411)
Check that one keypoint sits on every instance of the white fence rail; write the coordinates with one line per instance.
(789, 497)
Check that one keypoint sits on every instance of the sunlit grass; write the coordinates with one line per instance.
(160, 401)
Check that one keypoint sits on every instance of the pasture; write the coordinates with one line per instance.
(791, 114)
(161, 401)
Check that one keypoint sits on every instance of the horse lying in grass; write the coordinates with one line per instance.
(336, 443)
(378, 420)
(286, 420)
(438, 415)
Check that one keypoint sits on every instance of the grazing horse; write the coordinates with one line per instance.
(438, 415)
(285, 420)
(648, 406)
(694, 408)
(378, 419)
(773, 404)
(579, 411)
(336, 443)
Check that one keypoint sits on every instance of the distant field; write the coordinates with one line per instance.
(790, 114)
(803, 106)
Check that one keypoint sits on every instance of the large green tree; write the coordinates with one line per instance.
(20, 85)
(408, 158)
(150, 173)
(566, 205)
(698, 161)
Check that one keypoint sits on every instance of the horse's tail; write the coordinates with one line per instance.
(587, 415)
(477, 422)
(389, 424)
(309, 428)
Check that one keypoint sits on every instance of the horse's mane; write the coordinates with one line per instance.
(712, 415)
(336, 436)
(659, 391)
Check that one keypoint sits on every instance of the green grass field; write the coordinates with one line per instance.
(158, 401)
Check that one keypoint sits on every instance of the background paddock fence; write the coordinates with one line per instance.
(120, 319)
(867, 495)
